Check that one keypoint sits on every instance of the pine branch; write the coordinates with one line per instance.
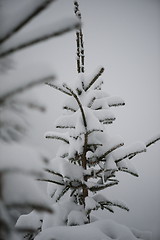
(23, 88)
(115, 101)
(128, 171)
(106, 177)
(116, 104)
(94, 145)
(34, 12)
(56, 136)
(69, 109)
(107, 120)
(72, 193)
(130, 155)
(110, 150)
(133, 153)
(78, 53)
(82, 52)
(51, 181)
(58, 88)
(41, 38)
(62, 193)
(63, 127)
(87, 133)
(64, 155)
(108, 208)
(94, 130)
(95, 78)
(76, 11)
(53, 172)
(79, 41)
(98, 87)
(91, 102)
(114, 203)
(79, 104)
(153, 140)
(102, 186)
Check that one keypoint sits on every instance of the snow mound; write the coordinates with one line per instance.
(64, 212)
(98, 230)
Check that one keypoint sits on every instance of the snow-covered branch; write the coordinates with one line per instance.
(99, 187)
(57, 136)
(79, 41)
(79, 103)
(153, 140)
(129, 152)
(115, 101)
(23, 87)
(50, 181)
(148, 144)
(27, 17)
(95, 78)
(17, 43)
(55, 86)
(110, 150)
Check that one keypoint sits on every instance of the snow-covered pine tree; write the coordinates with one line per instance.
(88, 158)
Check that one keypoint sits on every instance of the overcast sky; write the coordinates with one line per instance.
(123, 36)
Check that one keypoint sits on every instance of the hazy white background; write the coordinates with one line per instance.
(123, 36)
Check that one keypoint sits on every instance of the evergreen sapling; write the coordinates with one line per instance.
(88, 158)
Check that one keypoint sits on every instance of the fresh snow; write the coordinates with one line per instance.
(76, 218)
(128, 151)
(98, 230)
(90, 204)
(34, 74)
(110, 164)
(62, 213)
(17, 189)
(127, 166)
(115, 101)
(16, 157)
(67, 169)
(31, 221)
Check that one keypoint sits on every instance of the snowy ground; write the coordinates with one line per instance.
(98, 230)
